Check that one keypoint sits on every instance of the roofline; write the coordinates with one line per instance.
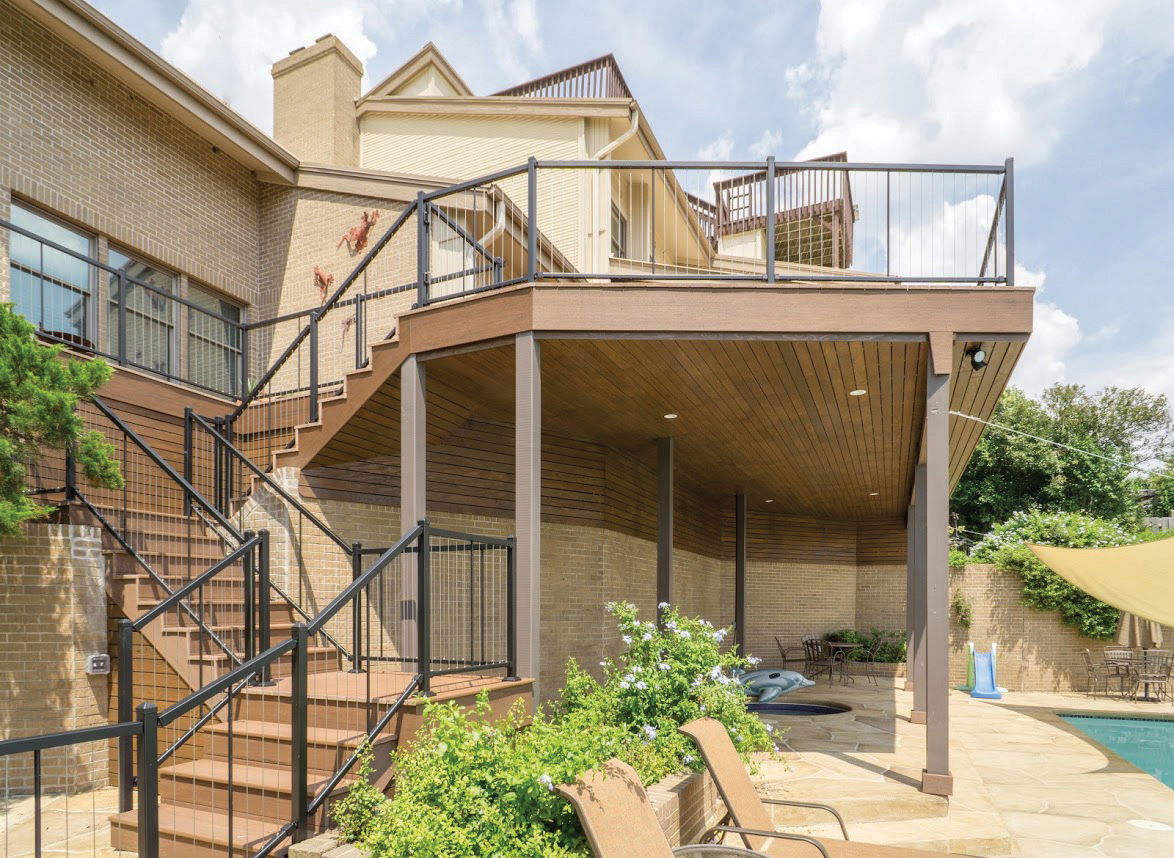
(161, 84)
(602, 108)
(414, 65)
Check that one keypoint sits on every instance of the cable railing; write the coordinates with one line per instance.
(102, 309)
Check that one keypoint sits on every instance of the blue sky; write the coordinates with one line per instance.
(1080, 92)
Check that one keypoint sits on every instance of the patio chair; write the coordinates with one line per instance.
(790, 654)
(1097, 674)
(748, 810)
(1153, 671)
(817, 659)
(870, 671)
(1123, 661)
(619, 821)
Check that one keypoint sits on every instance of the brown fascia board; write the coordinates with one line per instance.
(377, 184)
(162, 85)
(494, 105)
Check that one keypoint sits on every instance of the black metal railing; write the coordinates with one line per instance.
(92, 306)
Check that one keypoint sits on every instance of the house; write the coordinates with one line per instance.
(595, 374)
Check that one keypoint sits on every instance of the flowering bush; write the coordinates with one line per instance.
(1043, 589)
(471, 785)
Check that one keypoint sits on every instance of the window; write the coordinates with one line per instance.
(150, 313)
(214, 340)
(50, 288)
(619, 233)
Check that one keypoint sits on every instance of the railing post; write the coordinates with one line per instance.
(243, 381)
(1010, 180)
(149, 781)
(250, 610)
(888, 228)
(356, 610)
(532, 219)
(359, 338)
(511, 610)
(187, 458)
(217, 470)
(70, 477)
(424, 610)
(300, 791)
(263, 602)
(122, 317)
(126, 762)
(770, 219)
(314, 367)
(422, 250)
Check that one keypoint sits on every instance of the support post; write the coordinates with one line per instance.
(356, 610)
(532, 219)
(187, 458)
(70, 478)
(910, 567)
(413, 451)
(1009, 178)
(770, 219)
(243, 382)
(299, 777)
(424, 611)
(740, 573)
(936, 779)
(314, 367)
(528, 502)
(122, 284)
(664, 524)
(263, 587)
(126, 762)
(250, 594)
(511, 609)
(918, 714)
(422, 250)
(149, 781)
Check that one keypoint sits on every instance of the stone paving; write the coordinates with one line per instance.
(1025, 782)
(74, 825)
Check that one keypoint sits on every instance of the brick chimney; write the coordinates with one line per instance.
(314, 92)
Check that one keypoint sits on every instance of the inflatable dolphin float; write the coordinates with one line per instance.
(766, 685)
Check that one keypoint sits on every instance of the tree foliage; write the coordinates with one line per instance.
(39, 392)
(1012, 472)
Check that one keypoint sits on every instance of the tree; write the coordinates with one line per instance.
(1010, 472)
(1162, 484)
(39, 392)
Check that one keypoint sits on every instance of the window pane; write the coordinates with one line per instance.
(50, 288)
(213, 343)
(150, 316)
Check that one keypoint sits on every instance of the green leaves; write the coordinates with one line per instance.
(39, 391)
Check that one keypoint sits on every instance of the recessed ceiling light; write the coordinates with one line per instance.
(873, 494)
(860, 391)
(770, 500)
(670, 416)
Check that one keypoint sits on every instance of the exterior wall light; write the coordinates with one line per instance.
(978, 357)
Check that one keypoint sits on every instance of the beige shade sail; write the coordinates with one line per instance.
(1134, 578)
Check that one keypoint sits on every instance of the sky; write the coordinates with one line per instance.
(1079, 92)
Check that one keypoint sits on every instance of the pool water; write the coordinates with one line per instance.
(796, 709)
(1148, 743)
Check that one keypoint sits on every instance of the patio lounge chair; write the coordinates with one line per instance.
(748, 810)
(620, 823)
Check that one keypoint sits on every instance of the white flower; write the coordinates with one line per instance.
(637, 669)
(663, 605)
(626, 639)
(665, 666)
(753, 659)
(684, 634)
(647, 636)
(547, 781)
(719, 635)
(603, 664)
(640, 686)
(624, 685)
(629, 678)
(769, 728)
(687, 759)
(650, 732)
(671, 626)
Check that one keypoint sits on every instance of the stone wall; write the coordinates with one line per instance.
(52, 617)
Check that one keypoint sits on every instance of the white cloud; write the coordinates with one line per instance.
(512, 27)
(1053, 341)
(718, 149)
(766, 145)
(969, 81)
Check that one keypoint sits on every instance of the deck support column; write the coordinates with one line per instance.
(936, 779)
(917, 643)
(740, 573)
(528, 503)
(664, 523)
(413, 451)
(910, 567)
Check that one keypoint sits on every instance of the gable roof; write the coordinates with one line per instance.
(429, 60)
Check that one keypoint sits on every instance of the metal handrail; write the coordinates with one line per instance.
(270, 482)
(245, 671)
(64, 738)
(204, 719)
(178, 595)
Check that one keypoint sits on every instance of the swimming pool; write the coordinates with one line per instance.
(798, 708)
(1148, 743)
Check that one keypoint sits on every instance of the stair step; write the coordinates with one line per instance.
(268, 742)
(189, 832)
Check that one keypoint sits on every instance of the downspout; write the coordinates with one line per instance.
(599, 156)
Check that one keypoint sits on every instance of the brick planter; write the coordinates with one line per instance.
(686, 805)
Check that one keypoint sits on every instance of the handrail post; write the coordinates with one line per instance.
(356, 610)
(263, 603)
(299, 787)
(422, 250)
(217, 474)
(770, 219)
(532, 219)
(511, 610)
(187, 458)
(250, 608)
(1010, 180)
(243, 381)
(126, 763)
(314, 367)
(122, 318)
(424, 610)
(149, 781)
(70, 477)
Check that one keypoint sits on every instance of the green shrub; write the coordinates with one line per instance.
(962, 608)
(958, 558)
(355, 812)
(891, 650)
(471, 785)
(1043, 589)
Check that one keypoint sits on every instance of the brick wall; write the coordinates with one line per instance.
(52, 616)
(82, 145)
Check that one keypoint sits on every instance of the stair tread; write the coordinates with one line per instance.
(205, 825)
(244, 775)
(276, 730)
(220, 656)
